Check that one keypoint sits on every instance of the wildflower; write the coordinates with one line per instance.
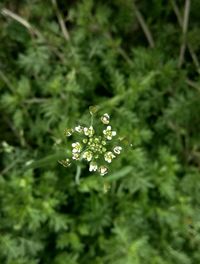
(117, 150)
(93, 166)
(89, 131)
(76, 147)
(88, 155)
(78, 129)
(103, 170)
(108, 156)
(94, 147)
(105, 119)
(75, 156)
(109, 133)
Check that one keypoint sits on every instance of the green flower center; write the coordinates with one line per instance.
(95, 145)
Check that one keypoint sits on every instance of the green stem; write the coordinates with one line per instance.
(91, 120)
(78, 174)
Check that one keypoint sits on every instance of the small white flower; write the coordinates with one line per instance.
(93, 166)
(87, 155)
(75, 156)
(105, 119)
(78, 129)
(103, 170)
(109, 133)
(76, 147)
(117, 149)
(108, 156)
(89, 131)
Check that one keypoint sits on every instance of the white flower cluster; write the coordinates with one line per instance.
(95, 149)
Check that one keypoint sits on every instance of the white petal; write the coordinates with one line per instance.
(85, 130)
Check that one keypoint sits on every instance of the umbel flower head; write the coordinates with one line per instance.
(98, 148)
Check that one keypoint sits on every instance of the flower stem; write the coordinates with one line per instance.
(78, 174)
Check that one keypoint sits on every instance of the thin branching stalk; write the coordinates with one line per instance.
(31, 29)
(22, 21)
(184, 32)
(191, 51)
(144, 26)
(61, 21)
(193, 84)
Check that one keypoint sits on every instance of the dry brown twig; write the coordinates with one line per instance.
(180, 21)
(191, 51)
(61, 21)
(193, 84)
(144, 26)
(7, 81)
(32, 30)
(185, 23)
(22, 21)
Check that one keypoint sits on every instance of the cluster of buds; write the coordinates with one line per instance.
(98, 149)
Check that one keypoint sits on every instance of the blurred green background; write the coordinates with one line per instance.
(139, 62)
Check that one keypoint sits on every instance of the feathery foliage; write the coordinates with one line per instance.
(138, 61)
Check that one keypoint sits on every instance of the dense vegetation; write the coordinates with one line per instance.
(139, 63)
